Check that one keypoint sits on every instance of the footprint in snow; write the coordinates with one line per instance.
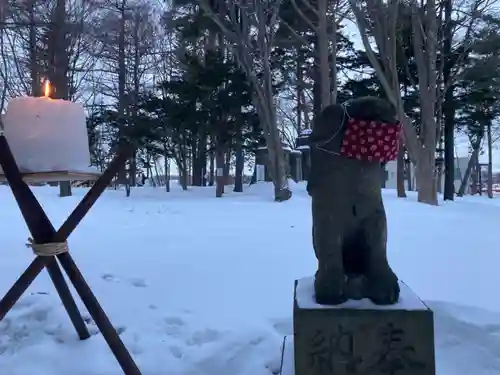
(176, 352)
(136, 282)
(31, 326)
(108, 277)
(206, 336)
(94, 330)
(174, 326)
(492, 328)
(283, 326)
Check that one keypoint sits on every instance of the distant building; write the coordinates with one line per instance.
(391, 178)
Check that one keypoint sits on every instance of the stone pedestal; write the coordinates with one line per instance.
(359, 337)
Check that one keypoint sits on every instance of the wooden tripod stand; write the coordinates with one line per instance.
(50, 248)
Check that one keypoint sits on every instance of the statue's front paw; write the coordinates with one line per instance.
(329, 290)
(383, 289)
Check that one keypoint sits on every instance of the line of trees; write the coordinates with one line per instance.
(204, 83)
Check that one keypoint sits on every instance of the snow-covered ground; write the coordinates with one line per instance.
(203, 286)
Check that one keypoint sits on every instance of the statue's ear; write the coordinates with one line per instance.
(328, 122)
(372, 108)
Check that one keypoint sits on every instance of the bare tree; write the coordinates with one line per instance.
(323, 17)
(125, 46)
(23, 23)
(42, 35)
(250, 27)
(4, 66)
(378, 19)
(59, 65)
(82, 60)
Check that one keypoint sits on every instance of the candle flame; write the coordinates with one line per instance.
(46, 88)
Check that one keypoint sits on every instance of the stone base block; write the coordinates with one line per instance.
(358, 337)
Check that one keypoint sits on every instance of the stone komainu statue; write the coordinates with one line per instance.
(349, 144)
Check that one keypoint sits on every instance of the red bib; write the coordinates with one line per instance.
(371, 140)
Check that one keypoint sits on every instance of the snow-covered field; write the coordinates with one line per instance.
(203, 286)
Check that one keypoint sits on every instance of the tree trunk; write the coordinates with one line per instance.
(135, 95)
(448, 107)
(468, 171)
(426, 178)
(133, 169)
(333, 63)
(127, 188)
(199, 149)
(323, 50)
(384, 15)
(227, 166)
(263, 100)
(239, 165)
(36, 89)
(490, 162)
(317, 89)
(211, 176)
(280, 180)
(474, 180)
(181, 161)
(122, 76)
(166, 162)
(183, 178)
(197, 177)
(439, 177)
(189, 167)
(409, 175)
(383, 174)
(400, 173)
(324, 90)
(219, 161)
(476, 172)
(203, 158)
(251, 39)
(299, 86)
(60, 65)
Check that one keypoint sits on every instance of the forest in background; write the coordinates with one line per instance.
(205, 83)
